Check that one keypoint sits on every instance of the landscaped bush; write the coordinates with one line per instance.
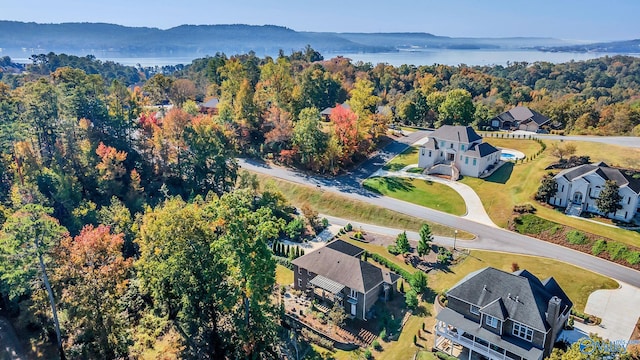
(376, 345)
(348, 227)
(617, 250)
(633, 257)
(598, 247)
(383, 334)
(444, 356)
(391, 266)
(284, 262)
(317, 339)
(577, 238)
(368, 355)
(358, 235)
(444, 256)
(393, 249)
(524, 209)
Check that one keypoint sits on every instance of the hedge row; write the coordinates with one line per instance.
(391, 266)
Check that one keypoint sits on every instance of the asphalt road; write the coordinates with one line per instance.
(488, 238)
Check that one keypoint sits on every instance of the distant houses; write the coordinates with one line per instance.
(210, 106)
(521, 118)
(457, 150)
(579, 187)
(326, 113)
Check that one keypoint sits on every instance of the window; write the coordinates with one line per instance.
(522, 332)
(300, 283)
(451, 145)
(491, 321)
(474, 162)
(562, 189)
(309, 272)
(475, 310)
(629, 200)
(422, 151)
(596, 192)
(462, 147)
(299, 271)
(441, 143)
(354, 294)
(429, 153)
(466, 159)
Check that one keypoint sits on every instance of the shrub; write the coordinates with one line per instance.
(391, 266)
(348, 227)
(411, 299)
(376, 345)
(368, 355)
(358, 235)
(515, 267)
(393, 249)
(317, 339)
(325, 223)
(444, 356)
(633, 257)
(524, 209)
(415, 339)
(598, 247)
(617, 250)
(577, 238)
(383, 334)
(444, 256)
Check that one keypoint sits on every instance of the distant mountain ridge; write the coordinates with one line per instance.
(110, 40)
(626, 46)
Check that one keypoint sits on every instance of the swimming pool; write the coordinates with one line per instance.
(510, 155)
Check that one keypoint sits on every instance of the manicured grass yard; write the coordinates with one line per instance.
(578, 283)
(420, 192)
(517, 184)
(284, 276)
(407, 157)
(334, 204)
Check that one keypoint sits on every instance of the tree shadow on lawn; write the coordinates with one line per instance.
(501, 175)
(393, 184)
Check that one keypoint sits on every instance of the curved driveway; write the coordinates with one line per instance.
(489, 238)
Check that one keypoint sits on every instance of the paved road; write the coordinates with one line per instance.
(628, 141)
(489, 238)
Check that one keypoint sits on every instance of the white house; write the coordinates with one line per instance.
(580, 186)
(459, 147)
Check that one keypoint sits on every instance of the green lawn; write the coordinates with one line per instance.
(407, 157)
(578, 283)
(517, 184)
(284, 276)
(420, 192)
(334, 204)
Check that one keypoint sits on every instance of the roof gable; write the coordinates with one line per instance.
(519, 296)
(601, 169)
(462, 134)
(343, 268)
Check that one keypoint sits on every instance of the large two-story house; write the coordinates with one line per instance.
(502, 315)
(579, 188)
(335, 273)
(459, 147)
(520, 118)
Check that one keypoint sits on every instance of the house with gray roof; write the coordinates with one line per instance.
(520, 118)
(579, 187)
(210, 106)
(335, 273)
(457, 150)
(326, 113)
(502, 315)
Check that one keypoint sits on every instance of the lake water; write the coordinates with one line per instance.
(421, 57)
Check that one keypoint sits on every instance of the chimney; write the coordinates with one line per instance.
(553, 311)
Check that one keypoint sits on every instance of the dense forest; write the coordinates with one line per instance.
(107, 169)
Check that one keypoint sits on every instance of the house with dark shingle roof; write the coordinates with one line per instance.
(520, 118)
(579, 187)
(336, 274)
(502, 315)
(460, 147)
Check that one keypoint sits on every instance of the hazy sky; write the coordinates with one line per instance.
(565, 19)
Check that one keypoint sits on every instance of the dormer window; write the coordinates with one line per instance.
(522, 332)
(491, 321)
(474, 310)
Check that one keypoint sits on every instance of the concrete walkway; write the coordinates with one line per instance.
(475, 209)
